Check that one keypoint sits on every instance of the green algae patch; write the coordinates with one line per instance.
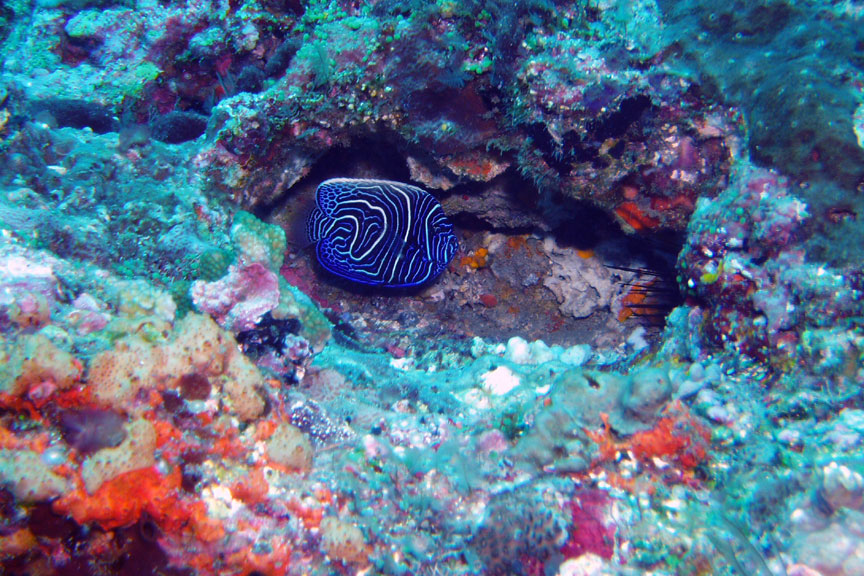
(257, 241)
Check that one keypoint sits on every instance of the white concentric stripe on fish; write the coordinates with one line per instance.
(396, 213)
(388, 232)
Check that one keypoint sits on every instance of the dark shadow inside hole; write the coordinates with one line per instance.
(586, 226)
(646, 260)
(367, 157)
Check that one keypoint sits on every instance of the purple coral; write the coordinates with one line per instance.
(89, 430)
(238, 300)
(744, 255)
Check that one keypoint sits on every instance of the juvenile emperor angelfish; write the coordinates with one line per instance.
(379, 232)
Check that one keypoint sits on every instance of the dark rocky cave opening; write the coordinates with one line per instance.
(497, 285)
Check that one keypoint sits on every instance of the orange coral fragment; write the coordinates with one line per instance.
(324, 495)
(516, 242)
(476, 167)
(16, 404)
(74, 397)
(603, 438)
(264, 429)
(121, 500)
(37, 442)
(165, 432)
(252, 489)
(274, 563)
(228, 447)
(17, 543)
(154, 398)
(200, 563)
(679, 435)
(477, 259)
(40, 442)
(205, 528)
(630, 213)
(310, 516)
(8, 440)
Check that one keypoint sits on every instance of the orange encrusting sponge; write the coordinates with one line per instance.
(121, 501)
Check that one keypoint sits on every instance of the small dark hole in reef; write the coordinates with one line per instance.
(44, 522)
(366, 157)
(585, 227)
(139, 553)
(171, 401)
(147, 529)
(616, 124)
(79, 114)
(189, 481)
(194, 457)
(702, 473)
(178, 126)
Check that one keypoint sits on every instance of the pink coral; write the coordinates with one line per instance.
(239, 299)
(88, 314)
(27, 289)
(590, 532)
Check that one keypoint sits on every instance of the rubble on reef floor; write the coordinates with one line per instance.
(290, 443)
(646, 358)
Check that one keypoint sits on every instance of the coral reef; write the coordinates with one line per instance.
(646, 356)
(743, 253)
(288, 447)
(581, 285)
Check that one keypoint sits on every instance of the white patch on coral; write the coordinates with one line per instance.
(500, 381)
(842, 487)
(19, 266)
(403, 364)
(517, 350)
(637, 340)
(476, 399)
(576, 355)
(220, 503)
(586, 565)
(581, 285)
(858, 124)
(542, 353)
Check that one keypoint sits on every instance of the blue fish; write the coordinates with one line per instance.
(380, 233)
